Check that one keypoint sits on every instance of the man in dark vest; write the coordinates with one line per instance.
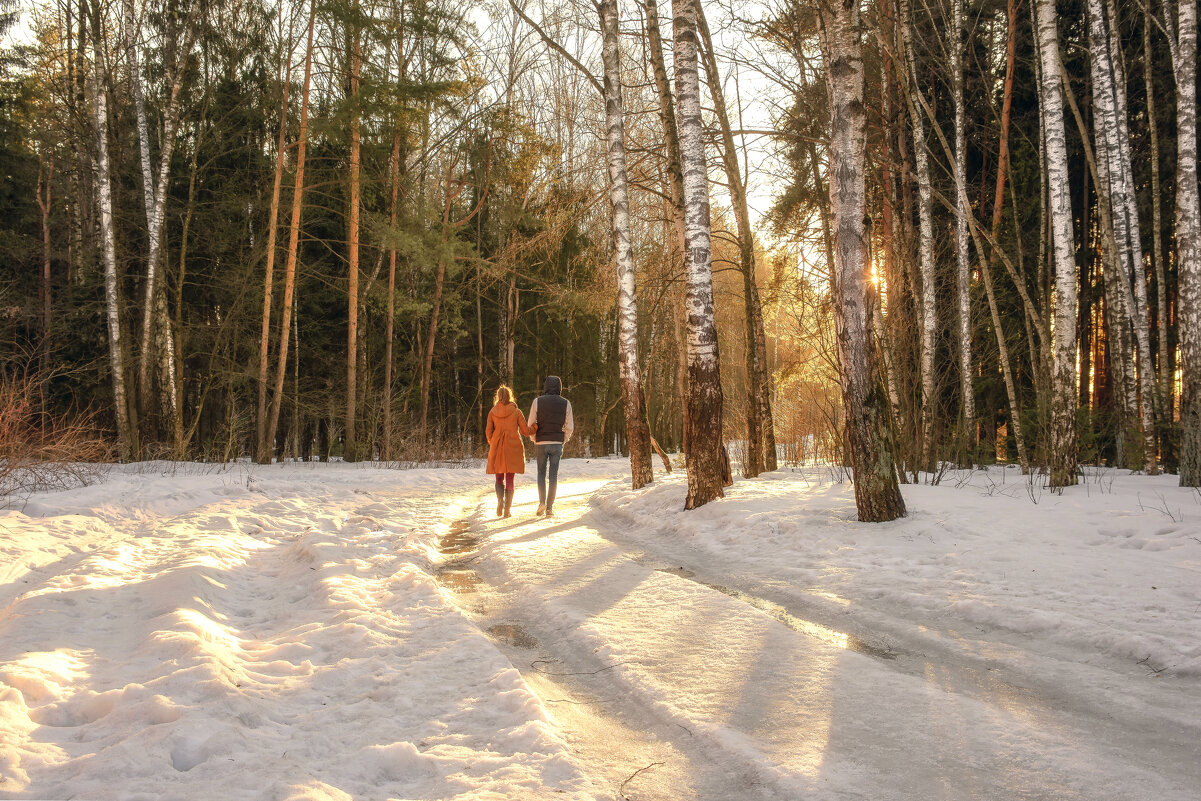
(550, 417)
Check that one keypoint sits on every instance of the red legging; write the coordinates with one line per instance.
(505, 480)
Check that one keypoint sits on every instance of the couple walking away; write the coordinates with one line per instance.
(550, 426)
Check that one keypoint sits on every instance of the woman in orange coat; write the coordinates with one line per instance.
(506, 453)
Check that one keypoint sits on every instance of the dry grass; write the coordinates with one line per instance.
(40, 453)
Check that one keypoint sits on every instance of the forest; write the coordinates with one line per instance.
(888, 235)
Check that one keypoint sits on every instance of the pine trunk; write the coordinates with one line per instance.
(1063, 378)
(351, 452)
(865, 405)
(264, 446)
(1157, 254)
(293, 234)
(704, 370)
(986, 266)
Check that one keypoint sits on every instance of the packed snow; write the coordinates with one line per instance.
(335, 631)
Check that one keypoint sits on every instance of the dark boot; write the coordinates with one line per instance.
(550, 501)
(500, 499)
(508, 503)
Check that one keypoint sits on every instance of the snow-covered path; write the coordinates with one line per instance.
(336, 631)
(730, 682)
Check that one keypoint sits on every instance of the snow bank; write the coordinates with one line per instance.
(273, 632)
(1109, 570)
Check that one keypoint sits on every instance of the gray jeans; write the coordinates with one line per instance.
(548, 456)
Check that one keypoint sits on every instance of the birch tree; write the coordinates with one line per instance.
(1113, 151)
(1063, 376)
(637, 430)
(1182, 41)
(157, 342)
(963, 274)
(928, 308)
(865, 403)
(704, 368)
(761, 445)
(126, 429)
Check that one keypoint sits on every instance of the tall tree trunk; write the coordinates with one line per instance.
(1113, 151)
(928, 319)
(1188, 238)
(963, 273)
(704, 367)
(390, 324)
(759, 422)
(157, 340)
(351, 452)
(675, 194)
(1166, 383)
(42, 193)
(637, 430)
(1015, 408)
(264, 446)
(1063, 380)
(126, 428)
(281, 364)
(865, 404)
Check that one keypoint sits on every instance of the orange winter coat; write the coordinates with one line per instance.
(506, 453)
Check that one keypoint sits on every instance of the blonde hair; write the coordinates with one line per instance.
(503, 395)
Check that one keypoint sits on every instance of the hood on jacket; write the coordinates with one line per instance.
(504, 409)
(553, 386)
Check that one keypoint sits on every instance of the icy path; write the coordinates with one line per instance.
(341, 632)
(684, 670)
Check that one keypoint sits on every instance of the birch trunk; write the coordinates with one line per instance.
(1063, 378)
(704, 370)
(293, 233)
(761, 440)
(156, 330)
(877, 495)
(351, 452)
(928, 318)
(963, 273)
(1188, 239)
(126, 437)
(1113, 149)
(637, 431)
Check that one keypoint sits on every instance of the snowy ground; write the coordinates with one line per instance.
(345, 632)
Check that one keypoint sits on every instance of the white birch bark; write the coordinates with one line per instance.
(928, 319)
(1183, 40)
(108, 246)
(704, 378)
(1063, 374)
(623, 252)
(877, 495)
(1113, 150)
(157, 340)
(963, 273)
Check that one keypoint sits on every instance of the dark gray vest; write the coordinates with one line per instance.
(552, 414)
